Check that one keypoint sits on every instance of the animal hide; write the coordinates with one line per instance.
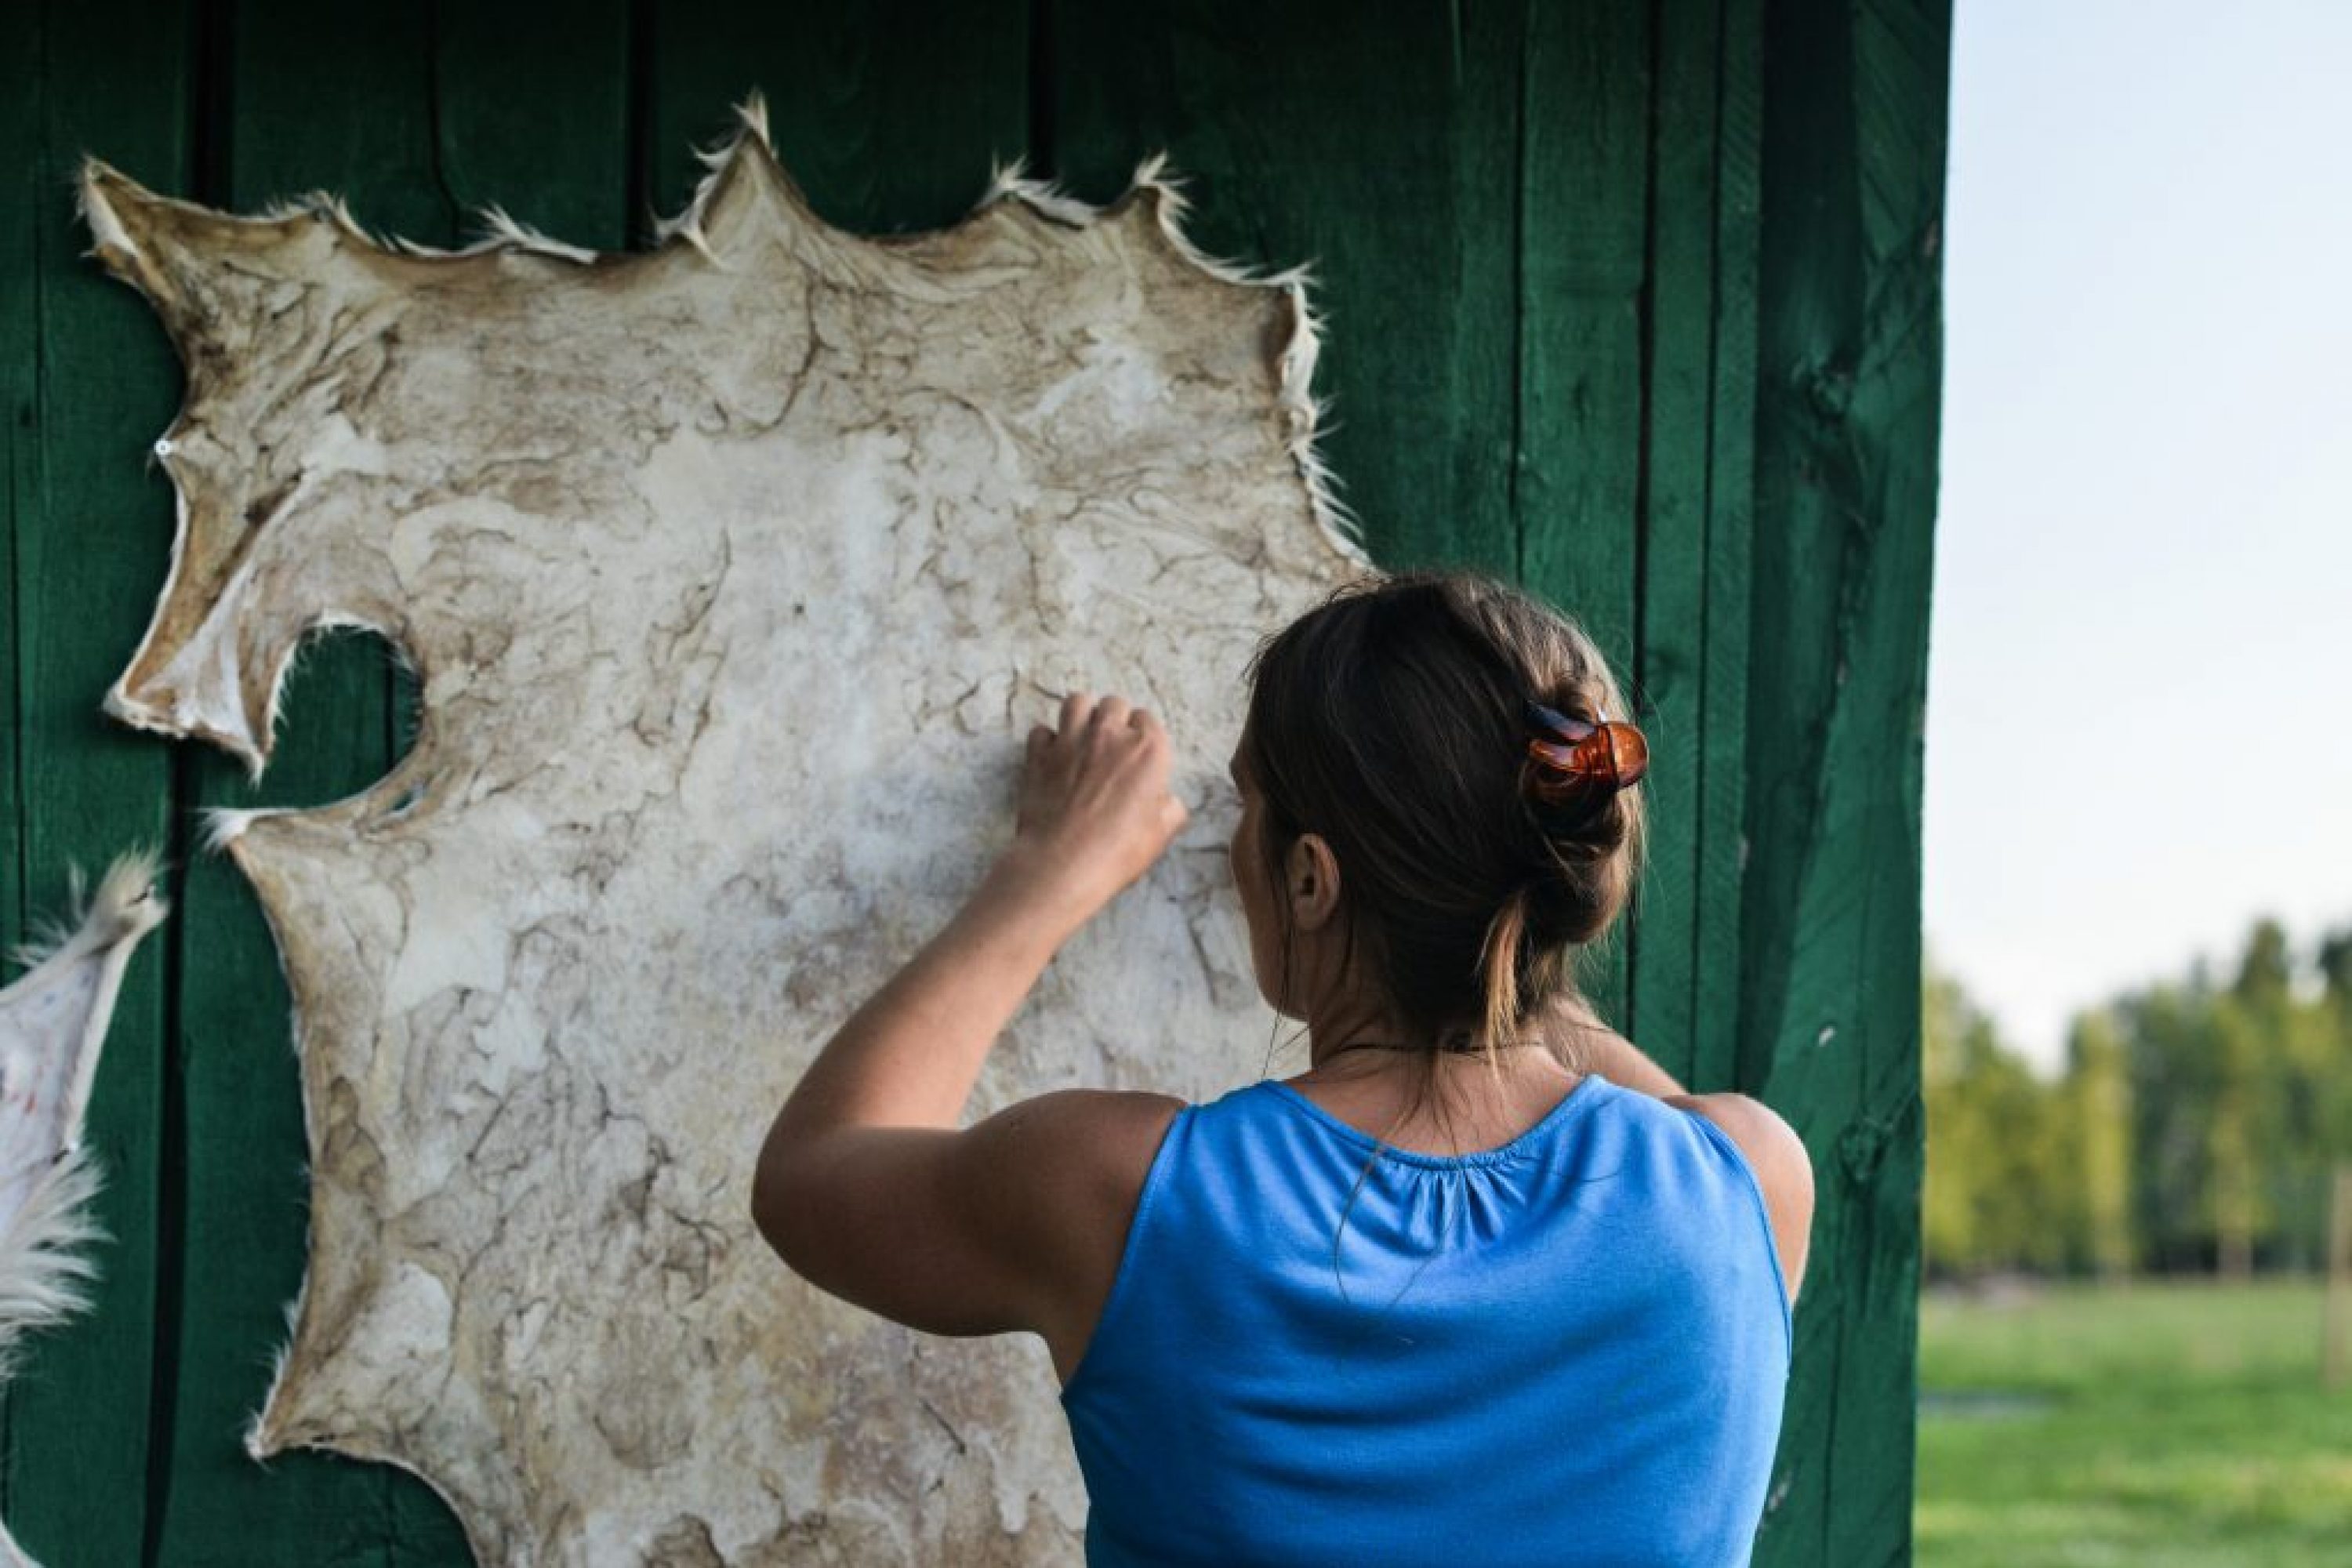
(733, 573)
(53, 1023)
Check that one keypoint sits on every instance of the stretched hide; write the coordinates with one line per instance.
(53, 1022)
(734, 573)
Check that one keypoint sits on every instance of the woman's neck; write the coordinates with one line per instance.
(1353, 1024)
(1356, 1031)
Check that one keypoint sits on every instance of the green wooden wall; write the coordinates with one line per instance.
(1637, 301)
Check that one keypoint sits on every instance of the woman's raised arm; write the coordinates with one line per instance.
(865, 1186)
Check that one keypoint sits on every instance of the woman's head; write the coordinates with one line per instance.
(1392, 725)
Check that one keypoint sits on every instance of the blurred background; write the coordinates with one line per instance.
(2139, 880)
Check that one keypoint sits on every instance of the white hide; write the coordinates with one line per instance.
(53, 1022)
(733, 573)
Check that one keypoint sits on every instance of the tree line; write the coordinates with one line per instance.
(2193, 1128)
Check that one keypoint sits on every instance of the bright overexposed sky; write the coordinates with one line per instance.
(2139, 732)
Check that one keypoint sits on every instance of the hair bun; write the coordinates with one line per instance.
(1576, 765)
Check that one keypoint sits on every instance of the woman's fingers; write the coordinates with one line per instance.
(1093, 733)
(1109, 716)
(1086, 717)
(1098, 775)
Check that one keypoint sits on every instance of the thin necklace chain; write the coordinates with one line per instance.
(1428, 1051)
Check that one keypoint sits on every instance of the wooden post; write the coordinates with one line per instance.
(2336, 1354)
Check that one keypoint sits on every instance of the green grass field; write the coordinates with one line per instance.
(2152, 1425)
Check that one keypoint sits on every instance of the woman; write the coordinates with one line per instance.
(1482, 1284)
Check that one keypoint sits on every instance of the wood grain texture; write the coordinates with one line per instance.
(21, 99)
(1849, 332)
(91, 382)
(1584, 211)
(1679, 332)
(1717, 940)
(1697, 522)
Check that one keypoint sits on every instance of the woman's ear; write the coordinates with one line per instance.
(1311, 883)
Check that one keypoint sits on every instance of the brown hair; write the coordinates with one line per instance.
(1392, 720)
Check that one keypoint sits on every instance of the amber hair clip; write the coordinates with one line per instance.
(1575, 763)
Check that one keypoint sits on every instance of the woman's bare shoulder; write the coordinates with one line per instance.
(1088, 1149)
(1117, 1116)
(1783, 1167)
(1067, 1169)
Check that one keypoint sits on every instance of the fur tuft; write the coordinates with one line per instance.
(752, 117)
(752, 128)
(257, 1446)
(126, 905)
(753, 112)
(106, 228)
(45, 1270)
(506, 233)
(224, 825)
(1011, 182)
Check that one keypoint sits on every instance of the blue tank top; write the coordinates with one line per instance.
(1569, 1349)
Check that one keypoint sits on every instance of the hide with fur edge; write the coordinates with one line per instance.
(733, 573)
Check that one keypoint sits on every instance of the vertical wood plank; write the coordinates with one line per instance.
(1849, 332)
(21, 100)
(1376, 143)
(1717, 1019)
(1677, 481)
(1719, 935)
(92, 382)
(1584, 183)
(337, 98)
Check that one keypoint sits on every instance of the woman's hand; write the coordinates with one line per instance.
(866, 1186)
(1095, 809)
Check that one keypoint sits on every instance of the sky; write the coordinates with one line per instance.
(2138, 733)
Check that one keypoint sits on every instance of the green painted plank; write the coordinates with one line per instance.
(1849, 336)
(1375, 142)
(890, 116)
(1468, 515)
(337, 98)
(1902, 77)
(1719, 934)
(20, 335)
(21, 104)
(90, 526)
(1730, 546)
(1677, 481)
(533, 114)
(1584, 193)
